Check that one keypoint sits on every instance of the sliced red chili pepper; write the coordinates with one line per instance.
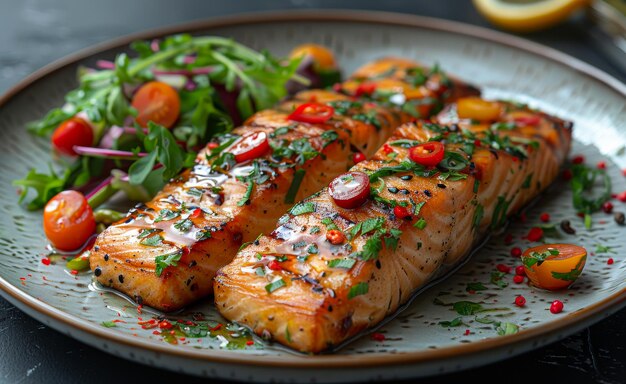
(427, 154)
(365, 88)
(250, 147)
(350, 189)
(527, 120)
(274, 265)
(314, 113)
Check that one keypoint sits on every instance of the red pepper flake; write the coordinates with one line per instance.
(119, 321)
(217, 327)
(313, 98)
(471, 292)
(556, 306)
(503, 268)
(567, 174)
(508, 239)
(467, 332)
(358, 157)
(378, 337)
(212, 145)
(196, 212)
(165, 325)
(387, 149)
(401, 212)
(274, 265)
(535, 234)
(516, 252)
(610, 261)
(621, 197)
(545, 217)
(173, 333)
(139, 308)
(578, 159)
(518, 279)
(607, 207)
(23, 278)
(601, 165)
(182, 339)
(74, 272)
(250, 342)
(45, 261)
(477, 143)
(520, 301)
(520, 270)
(156, 332)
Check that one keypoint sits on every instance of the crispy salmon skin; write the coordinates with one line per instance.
(167, 251)
(311, 289)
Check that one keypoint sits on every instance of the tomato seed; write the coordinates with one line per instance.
(520, 301)
(556, 306)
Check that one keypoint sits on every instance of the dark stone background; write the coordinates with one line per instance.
(36, 32)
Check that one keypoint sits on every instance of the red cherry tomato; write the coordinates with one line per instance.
(250, 147)
(427, 154)
(358, 157)
(68, 221)
(71, 132)
(314, 113)
(350, 190)
(157, 102)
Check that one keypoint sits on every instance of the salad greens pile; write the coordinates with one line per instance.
(219, 82)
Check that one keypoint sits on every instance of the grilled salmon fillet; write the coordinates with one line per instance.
(296, 287)
(167, 251)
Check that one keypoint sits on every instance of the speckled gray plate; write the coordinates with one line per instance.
(415, 344)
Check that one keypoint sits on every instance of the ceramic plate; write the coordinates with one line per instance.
(414, 344)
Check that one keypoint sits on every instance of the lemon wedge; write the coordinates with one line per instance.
(527, 15)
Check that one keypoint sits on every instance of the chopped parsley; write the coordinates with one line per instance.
(164, 261)
(346, 263)
(358, 290)
(152, 241)
(183, 225)
(538, 257)
(303, 208)
(166, 214)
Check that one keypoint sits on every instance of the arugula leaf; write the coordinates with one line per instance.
(453, 323)
(496, 278)
(466, 308)
(584, 198)
(475, 287)
(507, 329)
(46, 186)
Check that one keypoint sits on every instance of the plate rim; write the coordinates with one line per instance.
(607, 305)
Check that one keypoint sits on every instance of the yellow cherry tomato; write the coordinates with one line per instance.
(554, 266)
(322, 56)
(476, 108)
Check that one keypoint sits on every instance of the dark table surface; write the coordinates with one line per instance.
(36, 32)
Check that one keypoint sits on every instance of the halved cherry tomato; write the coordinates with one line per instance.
(71, 132)
(322, 56)
(250, 147)
(350, 190)
(314, 113)
(478, 109)
(427, 154)
(554, 266)
(157, 102)
(68, 221)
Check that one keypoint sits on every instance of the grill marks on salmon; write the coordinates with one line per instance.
(167, 251)
(324, 294)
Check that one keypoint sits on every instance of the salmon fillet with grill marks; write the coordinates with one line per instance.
(322, 294)
(167, 251)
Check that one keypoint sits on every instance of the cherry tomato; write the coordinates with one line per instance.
(71, 132)
(157, 102)
(322, 56)
(427, 154)
(250, 147)
(554, 266)
(314, 113)
(350, 190)
(478, 109)
(358, 157)
(68, 221)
